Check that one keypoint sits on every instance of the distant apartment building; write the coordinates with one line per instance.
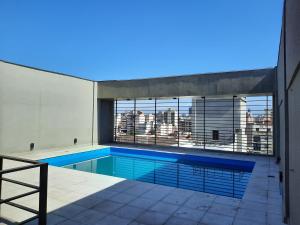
(140, 117)
(219, 122)
(259, 131)
(166, 129)
(170, 116)
(125, 122)
(149, 117)
(185, 124)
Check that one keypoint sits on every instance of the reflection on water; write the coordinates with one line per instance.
(219, 181)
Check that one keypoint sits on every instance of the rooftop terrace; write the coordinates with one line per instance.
(245, 115)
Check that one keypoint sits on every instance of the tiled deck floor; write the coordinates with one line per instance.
(76, 197)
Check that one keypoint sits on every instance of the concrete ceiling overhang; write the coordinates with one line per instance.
(246, 82)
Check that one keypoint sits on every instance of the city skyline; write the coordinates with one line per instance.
(252, 129)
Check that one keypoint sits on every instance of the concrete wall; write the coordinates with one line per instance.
(105, 121)
(257, 82)
(292, 45)
(281, 108)
(294, 150)
(289, 109)
(45, 108)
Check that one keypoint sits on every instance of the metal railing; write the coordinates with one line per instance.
(237, 123)
(41, 213)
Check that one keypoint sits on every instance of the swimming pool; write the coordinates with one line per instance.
(219, 176)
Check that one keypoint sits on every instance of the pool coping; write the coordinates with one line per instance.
(157, 155)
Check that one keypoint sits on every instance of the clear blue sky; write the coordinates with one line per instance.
(125, 39)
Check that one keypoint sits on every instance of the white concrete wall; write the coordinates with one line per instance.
(44, 108)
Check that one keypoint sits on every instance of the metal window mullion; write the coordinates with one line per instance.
(178, 121)
(275, 130)
(267, 121)
(134, 118)
(204, 123)
(233, 132)
(155, 124)
(116, 118)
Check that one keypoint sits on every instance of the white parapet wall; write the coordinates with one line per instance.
(45, 108)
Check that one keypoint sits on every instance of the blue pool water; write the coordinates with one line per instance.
(225, 177)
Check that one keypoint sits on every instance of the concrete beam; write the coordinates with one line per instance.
(248, 82)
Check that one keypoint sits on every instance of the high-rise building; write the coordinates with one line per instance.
(170, 117)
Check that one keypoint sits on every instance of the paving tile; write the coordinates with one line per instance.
(52, 219)
(256, 197)
(182, 192)
(177, 198)
(252, 215)
(136, 223)
(200, 201)
(143, 203)
(105, 194)
(275, 201)
(216, 219)
(275, 209)
(152, 218)
(275, 219)
(53, 204)
(123, 198)
(123, 185)
(136, 191)
(251, 205)
(146, 186)
(180, 221)
(88, 202)
(128, 212)
(89, 216)
(227, 201)
(165, 208)
(155, 194)
(246, 222)
(163, 188)
(69, 211)
(114, 220)
(223, 209)
(69, 222)
(188, 213)
(107, 206)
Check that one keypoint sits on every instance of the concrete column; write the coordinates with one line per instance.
(105, 121)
